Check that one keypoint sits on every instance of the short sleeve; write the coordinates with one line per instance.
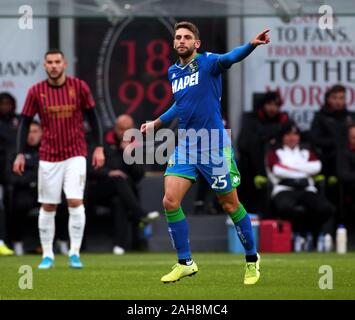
(87, 100)
(30, 107)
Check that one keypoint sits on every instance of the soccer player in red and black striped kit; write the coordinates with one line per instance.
(61, 102)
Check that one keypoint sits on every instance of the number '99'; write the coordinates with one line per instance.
(133, 92)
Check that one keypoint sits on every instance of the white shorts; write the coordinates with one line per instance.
(68, 175)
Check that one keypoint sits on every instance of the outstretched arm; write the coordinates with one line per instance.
(237, 54)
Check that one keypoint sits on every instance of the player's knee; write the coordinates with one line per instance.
(49, 207)
(230, 207)
(170, 203)
(73, 203)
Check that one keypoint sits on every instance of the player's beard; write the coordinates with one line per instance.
(185, 54)
(55, 78)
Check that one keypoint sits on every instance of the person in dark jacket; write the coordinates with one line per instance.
(329, 132)
(260, 129)
(116, 185)
(330, 128)
(346, 173)
(21, 191)
(9, 122)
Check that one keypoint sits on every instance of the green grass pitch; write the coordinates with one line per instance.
(137, 276)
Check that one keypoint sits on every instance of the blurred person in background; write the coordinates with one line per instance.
(346, 174)
(9, 122)
(330, 129)
(294, 195)
(116, 185)
(260, 130)
(21, 191)
(329, 132)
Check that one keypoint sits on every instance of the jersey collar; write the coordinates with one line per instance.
(183, 66)
(53, 86)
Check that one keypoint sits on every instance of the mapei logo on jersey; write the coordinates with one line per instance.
(182, 83)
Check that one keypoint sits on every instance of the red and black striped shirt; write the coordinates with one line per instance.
(60, 109)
